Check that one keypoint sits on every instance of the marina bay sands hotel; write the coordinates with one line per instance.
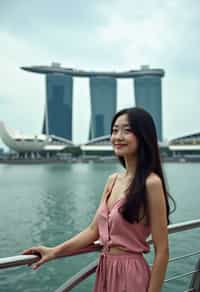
(103, 95)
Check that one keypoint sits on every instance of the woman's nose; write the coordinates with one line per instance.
(119, 135)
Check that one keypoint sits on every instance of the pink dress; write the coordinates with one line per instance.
(124, 272)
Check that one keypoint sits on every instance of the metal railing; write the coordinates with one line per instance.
(90, 269)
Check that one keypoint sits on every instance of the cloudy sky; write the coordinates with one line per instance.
(99, 35)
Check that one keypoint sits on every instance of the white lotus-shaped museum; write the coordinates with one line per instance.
(27, 143)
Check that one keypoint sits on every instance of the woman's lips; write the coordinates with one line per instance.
(118, 146)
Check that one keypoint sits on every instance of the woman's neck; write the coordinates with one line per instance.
(130, 163)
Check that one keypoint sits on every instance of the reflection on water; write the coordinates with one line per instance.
(46, 204)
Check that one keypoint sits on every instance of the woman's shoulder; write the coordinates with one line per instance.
(153, 180)
(108, 185)
(113, 176)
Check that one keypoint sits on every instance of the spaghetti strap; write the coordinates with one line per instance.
(111, 186)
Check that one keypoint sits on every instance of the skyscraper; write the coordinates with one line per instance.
(103, 94)
(148, 96)
(58, 110)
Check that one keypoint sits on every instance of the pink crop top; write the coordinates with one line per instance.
(114, 230)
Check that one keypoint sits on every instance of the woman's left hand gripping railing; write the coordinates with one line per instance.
(19, 260)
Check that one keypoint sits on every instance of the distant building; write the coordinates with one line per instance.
(32, 143)
(58, 111)
(103, 94)
(148, 95)
(186, 146)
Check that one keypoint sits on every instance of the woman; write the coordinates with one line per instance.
(134, 205)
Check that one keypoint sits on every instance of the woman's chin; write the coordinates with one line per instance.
(119, 152)
(122, 153)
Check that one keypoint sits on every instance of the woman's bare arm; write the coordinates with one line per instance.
(158, 222)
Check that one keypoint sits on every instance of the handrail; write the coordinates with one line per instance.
(85, 272)
(181, 276)
(184, 256)
(78, 277)
(18, 260)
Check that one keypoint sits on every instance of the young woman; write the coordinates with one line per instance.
(134, 205)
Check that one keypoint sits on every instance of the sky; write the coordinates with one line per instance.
(99, 35)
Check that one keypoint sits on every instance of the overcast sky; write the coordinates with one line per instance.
(98, 35)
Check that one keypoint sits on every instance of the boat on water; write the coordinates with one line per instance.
(88, 270)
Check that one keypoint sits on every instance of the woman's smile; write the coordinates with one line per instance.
(119, 145)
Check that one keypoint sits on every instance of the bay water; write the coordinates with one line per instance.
(47, 204)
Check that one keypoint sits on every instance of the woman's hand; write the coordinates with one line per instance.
(45, 253)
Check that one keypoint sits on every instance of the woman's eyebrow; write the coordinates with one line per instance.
(123, 125)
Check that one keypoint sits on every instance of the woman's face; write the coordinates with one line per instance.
(124, 142)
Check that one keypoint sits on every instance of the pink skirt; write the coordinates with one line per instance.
(127, 272)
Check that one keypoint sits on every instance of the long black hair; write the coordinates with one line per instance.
(148, 161)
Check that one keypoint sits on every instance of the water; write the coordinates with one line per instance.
(47, 204)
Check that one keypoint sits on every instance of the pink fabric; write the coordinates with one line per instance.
(122, 273)
(127, 272)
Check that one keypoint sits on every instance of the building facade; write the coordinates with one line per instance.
(58, 108)
(103, 94)
(148, 95)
